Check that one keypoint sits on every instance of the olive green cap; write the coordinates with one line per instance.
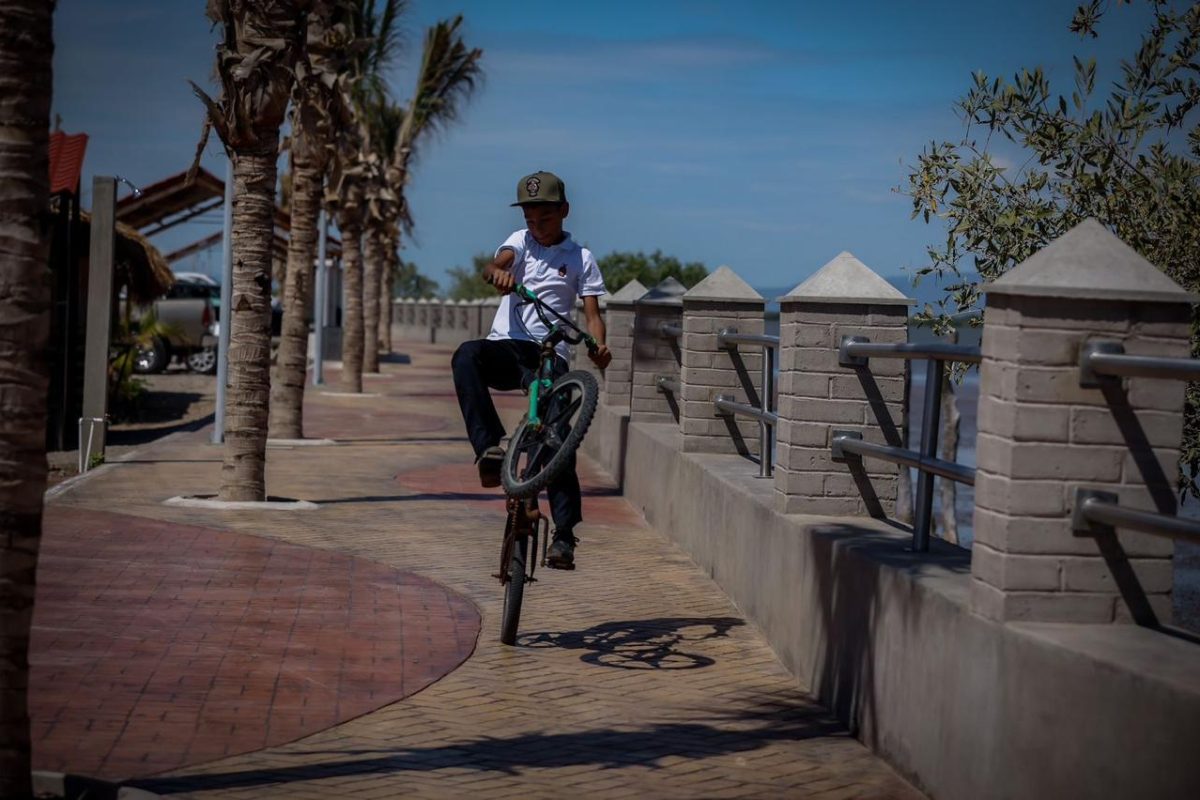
(541, 187)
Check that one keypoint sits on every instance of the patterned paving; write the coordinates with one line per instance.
(634, 676)
(158, 645)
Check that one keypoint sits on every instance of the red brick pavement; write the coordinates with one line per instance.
(158, 645)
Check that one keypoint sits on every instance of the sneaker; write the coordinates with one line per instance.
(562, 551)
(489, 462)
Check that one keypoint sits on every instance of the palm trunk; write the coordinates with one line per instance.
(243, 475)
(385, 303)
(26, 47)
(372, 273)
(291, 363)
(352, 311)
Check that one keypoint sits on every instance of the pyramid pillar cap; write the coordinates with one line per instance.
(845, 279)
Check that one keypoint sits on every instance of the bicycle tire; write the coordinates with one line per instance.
(525, 486)
(514, 592)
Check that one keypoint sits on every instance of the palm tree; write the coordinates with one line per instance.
(260, 45)
(376, 24)
(384, 120)
(449, 73)
(320, 109)
(26, 48)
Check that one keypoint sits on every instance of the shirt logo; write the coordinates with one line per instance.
(562, 271)
(533, 186)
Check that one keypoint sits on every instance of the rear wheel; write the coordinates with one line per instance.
(203, 360)
(152, 357)
(514, 591)
(536, 455)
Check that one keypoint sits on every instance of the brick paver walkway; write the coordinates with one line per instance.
(158, 645)
(634, 675)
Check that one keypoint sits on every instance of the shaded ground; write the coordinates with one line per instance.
(175, 400)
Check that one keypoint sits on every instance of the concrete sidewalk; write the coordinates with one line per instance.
(634, 675)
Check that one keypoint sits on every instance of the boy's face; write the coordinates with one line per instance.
(545, 221)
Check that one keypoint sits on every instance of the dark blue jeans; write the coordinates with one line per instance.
(506, 365)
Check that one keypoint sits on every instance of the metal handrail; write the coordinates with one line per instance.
(667, 384)
(1101, 359)
(670, 330)
(851, 442)
(727, 405)
(729, 338)
(855, 352)
(768, 420)
(1096, 511)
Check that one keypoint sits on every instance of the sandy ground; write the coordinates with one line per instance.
(175, 400)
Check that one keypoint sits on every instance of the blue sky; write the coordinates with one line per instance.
(764, 135)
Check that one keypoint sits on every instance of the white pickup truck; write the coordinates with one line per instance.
(191, 308)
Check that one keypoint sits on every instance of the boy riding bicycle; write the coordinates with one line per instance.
(543, 258)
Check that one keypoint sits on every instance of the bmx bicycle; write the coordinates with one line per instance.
(552, 429)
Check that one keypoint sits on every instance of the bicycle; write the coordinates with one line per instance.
(552, 429)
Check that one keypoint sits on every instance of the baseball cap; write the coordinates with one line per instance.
(541, 187)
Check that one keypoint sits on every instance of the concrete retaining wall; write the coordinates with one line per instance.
(963, 706)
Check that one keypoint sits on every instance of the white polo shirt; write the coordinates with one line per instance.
(557, 274)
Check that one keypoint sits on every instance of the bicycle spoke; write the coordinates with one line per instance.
(565, 413)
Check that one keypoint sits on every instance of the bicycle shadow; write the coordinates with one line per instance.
(639, 644)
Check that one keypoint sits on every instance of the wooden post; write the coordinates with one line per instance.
(93, 423)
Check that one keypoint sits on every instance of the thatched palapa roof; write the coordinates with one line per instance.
(138, 264)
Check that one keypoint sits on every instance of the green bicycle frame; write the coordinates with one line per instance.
(542, 384)
(544, 381)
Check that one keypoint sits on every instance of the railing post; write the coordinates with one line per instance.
(817, 394)
(931, 423)
(1042, 435)
(655, 355)
(766, 445)
(722, 301)
(618, 318)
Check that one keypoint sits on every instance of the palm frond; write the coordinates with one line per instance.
(449, 74)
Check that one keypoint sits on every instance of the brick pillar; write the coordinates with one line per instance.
(487, 315)
(475, 317)
(817, 395)
(618, 318)
(721, 301)
(654, 355)
(424, 328)
(1042, 435)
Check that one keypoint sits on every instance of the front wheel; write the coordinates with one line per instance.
(538, 454)
(514, 591)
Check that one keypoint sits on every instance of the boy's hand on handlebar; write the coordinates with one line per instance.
(501, 279)
(602, 357)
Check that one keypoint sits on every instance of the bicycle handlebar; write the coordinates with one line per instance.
(541, 307)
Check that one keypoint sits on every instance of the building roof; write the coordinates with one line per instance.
(175, 199)
(66, 161)
(137, 264)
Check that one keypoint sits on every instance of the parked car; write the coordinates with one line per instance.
(191, 308)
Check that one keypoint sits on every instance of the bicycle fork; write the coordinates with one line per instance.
(524, 520)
